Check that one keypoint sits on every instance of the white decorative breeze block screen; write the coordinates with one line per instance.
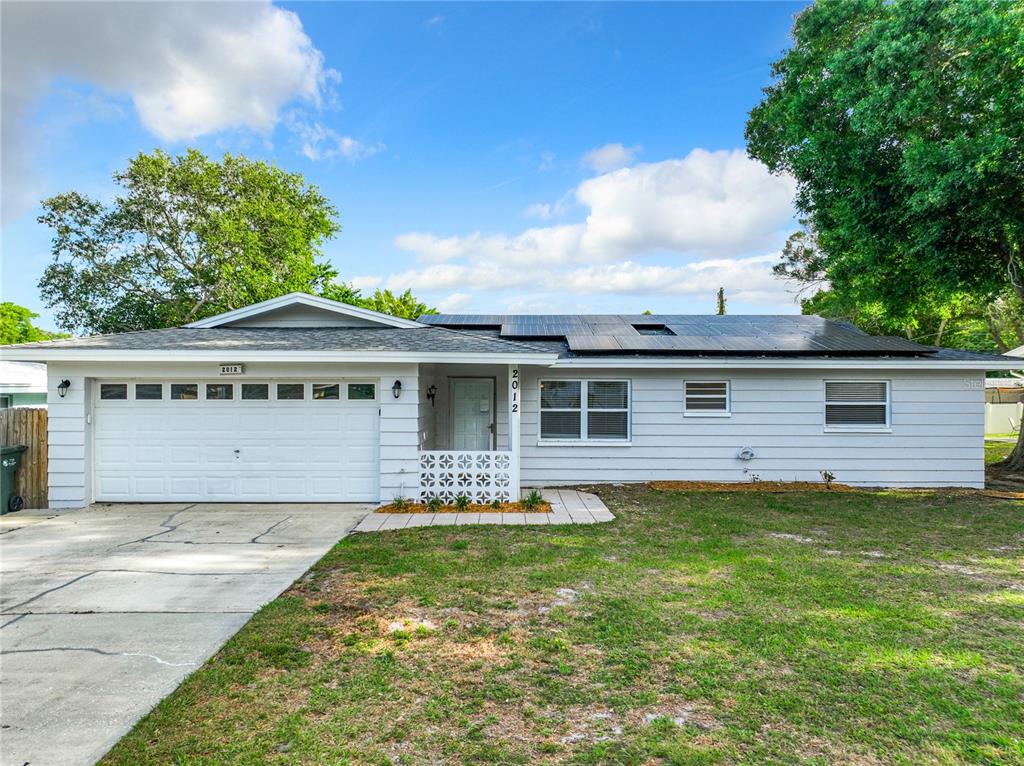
(482, 476)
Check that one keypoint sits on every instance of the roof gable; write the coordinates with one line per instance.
(302, 310)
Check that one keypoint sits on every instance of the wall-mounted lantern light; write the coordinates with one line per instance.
(397, 389)
(431, 393)
(62, 387)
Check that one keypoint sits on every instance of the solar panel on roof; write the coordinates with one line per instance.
(694, 334)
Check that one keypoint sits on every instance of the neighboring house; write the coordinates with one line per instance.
(1019, 352)
(22, 384)
(304, 399)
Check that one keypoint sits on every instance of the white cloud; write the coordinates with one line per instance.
(610, 157)
(548, 245)
(189, 68)
(318, 142)
(454, 302)
(747, 279)
(682, 227)
(705, 203)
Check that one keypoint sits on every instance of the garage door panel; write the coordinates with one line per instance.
(186, 450)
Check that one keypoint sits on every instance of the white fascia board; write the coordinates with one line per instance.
(227, 355)
(304, 299)
(785, 364)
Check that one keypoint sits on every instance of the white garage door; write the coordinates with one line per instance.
(251, 441)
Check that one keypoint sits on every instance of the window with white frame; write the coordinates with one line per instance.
(856, 404)
(584, 410)
(706, 397)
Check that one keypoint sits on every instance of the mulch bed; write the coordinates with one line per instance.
(472, 508)
(750, 486)
(1002, 487)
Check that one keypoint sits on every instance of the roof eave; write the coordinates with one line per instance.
(719, 362)
(228, 355)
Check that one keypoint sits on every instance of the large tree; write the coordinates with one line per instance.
(903, 125)
(187, 237)
(16, 325)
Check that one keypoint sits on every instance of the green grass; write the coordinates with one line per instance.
(996, 451)
(704, 628)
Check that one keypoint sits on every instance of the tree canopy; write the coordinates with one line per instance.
(188, 237)
(16, 325)
(903, 125)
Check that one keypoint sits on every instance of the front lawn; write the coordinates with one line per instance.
(703, 628)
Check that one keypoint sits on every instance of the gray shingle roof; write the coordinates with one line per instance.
(384, 339)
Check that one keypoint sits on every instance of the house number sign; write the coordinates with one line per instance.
(514, 389)
(231, 369)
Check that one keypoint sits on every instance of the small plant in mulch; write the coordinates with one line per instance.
(533, 499)
(532, 503)
(828, 477)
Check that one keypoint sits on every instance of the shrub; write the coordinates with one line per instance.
(462, 502)
(496, 504)
(434, 504)
(401, 503)
(533, 500)
(828, 477)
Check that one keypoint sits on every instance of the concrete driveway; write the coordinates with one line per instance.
(103, 611)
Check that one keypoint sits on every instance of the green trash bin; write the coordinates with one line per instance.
(10, 461)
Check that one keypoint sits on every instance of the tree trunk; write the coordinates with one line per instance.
(1015, 462)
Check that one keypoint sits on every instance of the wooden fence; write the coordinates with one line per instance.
(27, 425)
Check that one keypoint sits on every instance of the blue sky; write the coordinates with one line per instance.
(493, 157)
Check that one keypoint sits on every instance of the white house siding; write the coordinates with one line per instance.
(399, 437)
(936, 439)
(69, 435)
(70, 432)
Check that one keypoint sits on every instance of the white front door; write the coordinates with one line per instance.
(472, 403)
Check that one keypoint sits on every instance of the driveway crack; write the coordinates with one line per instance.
(269, 529)
(9, 609)
(102, 652)
(167, 524)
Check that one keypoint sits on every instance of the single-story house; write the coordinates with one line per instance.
(302, 399)
(22, 384)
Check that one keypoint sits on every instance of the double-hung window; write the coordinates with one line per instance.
(584, 410)
(856, 405)
(706, 398)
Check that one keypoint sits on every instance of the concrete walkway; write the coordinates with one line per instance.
(104, 611)
(568, 506)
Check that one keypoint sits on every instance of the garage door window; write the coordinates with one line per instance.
(291, 391)
(255, 391)
(220, 391)
(111, 391)
(149, 391)
(184, 391)
(362, 392)
(326, 391)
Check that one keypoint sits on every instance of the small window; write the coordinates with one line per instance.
(184, 391)
(111, 391)
(584, 410)
(149, 391)
(861, 404)
(706, 397)
(255, 392)
(291, 391)
(326, 391)
(220, 391)
(362, 392)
